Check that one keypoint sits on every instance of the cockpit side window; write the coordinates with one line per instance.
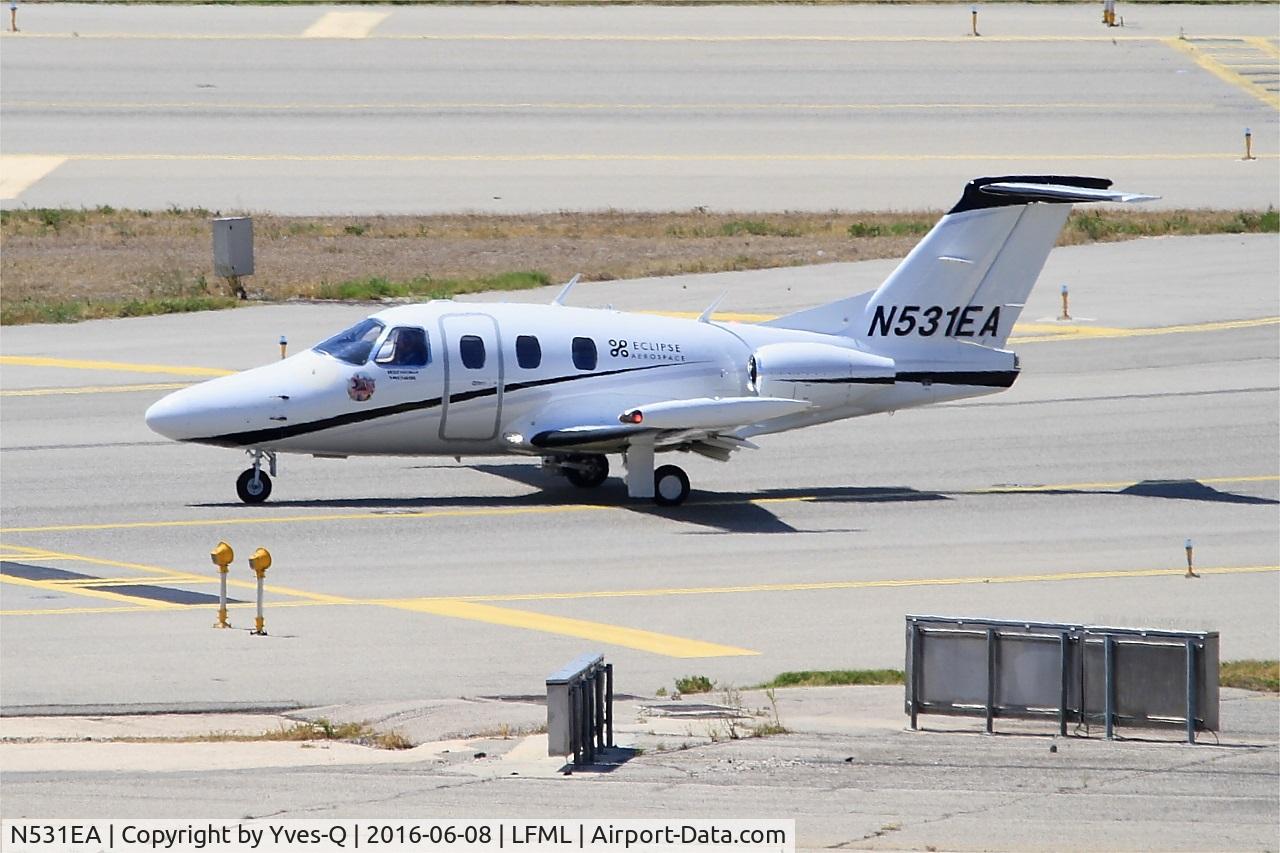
(354, 345)
(405, 346)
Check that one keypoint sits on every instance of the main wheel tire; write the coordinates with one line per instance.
(252, 492)
(670, 486)
(594, 470)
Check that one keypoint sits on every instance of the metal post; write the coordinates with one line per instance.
(597, 680)
(575, 734)
(222, 555)
(608, 701)
(1109, 685)
(260, 561)
(913, 685)
(1192, 690)
(1064, 657)
(991, 679)
(222, 597)
(588, 744)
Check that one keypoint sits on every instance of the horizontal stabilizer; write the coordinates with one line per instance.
(1020, 193)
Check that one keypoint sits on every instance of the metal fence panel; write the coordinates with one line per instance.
(1114, 676)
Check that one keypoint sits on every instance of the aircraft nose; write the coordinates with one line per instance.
(171, 417)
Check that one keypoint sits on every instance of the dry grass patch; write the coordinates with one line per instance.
(67, 265)
(361, 734)
(1262, 675)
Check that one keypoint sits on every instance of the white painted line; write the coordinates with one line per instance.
(20, 171)
(344, 25)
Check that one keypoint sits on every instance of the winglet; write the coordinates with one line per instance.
(705, 316)
(564, 291)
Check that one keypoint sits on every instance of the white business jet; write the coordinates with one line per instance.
(573, 385)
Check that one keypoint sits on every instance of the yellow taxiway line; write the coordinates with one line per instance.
(617, 635)
(654, 157)
(649, 641)
(585, 106)
(93, 389)
(1210, 53)
(117, 366)
(473, 512)
(1110, 574)
(92, 593)
(657, 38)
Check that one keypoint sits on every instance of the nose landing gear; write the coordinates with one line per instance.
(253, 485)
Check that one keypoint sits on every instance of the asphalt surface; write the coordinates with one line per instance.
(848, 773)
(529, 109)
(1114, 447)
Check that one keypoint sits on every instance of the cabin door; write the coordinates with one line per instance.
(472, 401)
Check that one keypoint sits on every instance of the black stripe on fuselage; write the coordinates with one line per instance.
(984, 378)
(250, 438)
(852, 380)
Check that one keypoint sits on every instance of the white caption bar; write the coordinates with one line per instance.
(328, 836)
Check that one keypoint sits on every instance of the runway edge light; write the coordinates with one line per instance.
(222, 556)
(260, 561)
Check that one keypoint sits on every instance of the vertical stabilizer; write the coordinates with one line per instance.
(969, 278)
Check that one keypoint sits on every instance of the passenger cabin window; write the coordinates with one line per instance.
(404, 347)
(528, 352)
(354, 345)
(584, 353)
(471, 348)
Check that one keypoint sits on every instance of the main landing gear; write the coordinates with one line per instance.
(584, 470)
(667, 486)
(253, 485)
(670, 486)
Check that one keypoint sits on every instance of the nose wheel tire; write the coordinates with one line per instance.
(670, 486)
(587, 471)
(253, 487)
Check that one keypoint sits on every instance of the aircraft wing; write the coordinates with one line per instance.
(700, 424)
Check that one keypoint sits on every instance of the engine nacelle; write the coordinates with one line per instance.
(821, 373)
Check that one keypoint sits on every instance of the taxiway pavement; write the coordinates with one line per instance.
(1067, 498)
(313, 110)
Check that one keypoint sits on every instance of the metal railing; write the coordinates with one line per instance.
(1074, 673)
(580, 708)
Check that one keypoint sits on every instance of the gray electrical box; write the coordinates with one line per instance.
(233, 246)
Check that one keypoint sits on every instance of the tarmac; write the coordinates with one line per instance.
(1068, 498)
(313, 110)
(848, 770)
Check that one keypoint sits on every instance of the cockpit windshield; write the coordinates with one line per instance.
(354, 345)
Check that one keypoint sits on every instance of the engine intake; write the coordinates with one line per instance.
(821, 373)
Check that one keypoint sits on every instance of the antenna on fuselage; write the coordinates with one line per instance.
(705, 316)
(564, 291)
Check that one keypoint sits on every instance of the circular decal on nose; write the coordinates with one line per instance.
(360, 387)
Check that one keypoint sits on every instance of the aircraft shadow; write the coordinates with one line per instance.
(1182, 490)
(719, 512)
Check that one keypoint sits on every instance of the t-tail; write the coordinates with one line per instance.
(968, 280)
